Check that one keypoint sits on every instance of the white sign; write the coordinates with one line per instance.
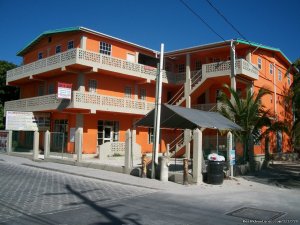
(27, 121)
(232, 157)
(64, 91)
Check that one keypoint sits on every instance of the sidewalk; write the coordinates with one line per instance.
(104, 175)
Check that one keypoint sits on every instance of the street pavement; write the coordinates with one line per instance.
(46, 193)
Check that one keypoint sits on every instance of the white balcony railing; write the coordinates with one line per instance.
(82, 100)
(87, 58)
(224, 68)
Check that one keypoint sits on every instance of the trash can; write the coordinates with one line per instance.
(215, 173)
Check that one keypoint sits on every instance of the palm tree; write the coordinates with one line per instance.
(249, 113)
(295, 96)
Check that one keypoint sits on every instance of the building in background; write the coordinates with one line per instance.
(112, 85)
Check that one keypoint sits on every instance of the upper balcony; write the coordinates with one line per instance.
(89, 59)
(81, 100)
(243, 68)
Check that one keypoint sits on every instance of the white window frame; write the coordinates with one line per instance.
(71, 41)
(128, 92)
(93, 86)
(105, 48)
(271, 67)
(181, 68)
(259, 63)
(57, 47)
(279, 75)
(150, 135)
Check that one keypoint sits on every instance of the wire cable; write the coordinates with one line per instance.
(203, 20)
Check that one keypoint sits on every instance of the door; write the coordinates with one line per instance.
(60, 134)
(108, 134)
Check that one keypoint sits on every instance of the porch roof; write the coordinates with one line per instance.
(186, 118)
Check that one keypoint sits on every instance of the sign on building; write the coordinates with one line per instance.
(27, 121)
(3, 140)
(64, 90)
(232, 157)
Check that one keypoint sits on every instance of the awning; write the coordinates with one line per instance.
(186, 118)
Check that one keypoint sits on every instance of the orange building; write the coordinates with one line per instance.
(113, 85)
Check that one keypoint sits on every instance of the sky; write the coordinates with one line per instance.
(274, 23)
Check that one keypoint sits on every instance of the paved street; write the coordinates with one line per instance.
(38, 196)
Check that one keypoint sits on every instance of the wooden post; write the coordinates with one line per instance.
(185, 171)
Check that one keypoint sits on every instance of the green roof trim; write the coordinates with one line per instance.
(242, 41)
(48, 32)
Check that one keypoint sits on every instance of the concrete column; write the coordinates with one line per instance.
(47, 144)
(36, 137)
(249, 56)
(9, 142)
(229, 147)
(164, 170)
(197, 157)
(79, 136)
(83, 42)
(128, 152)
(187, 138)
(188, 81)
(233, 70)
(81, 82)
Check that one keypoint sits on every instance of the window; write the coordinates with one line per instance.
(70, 44)
(198, 65)
(51, 89)
(40, 55)
(143, 94)
(58, 49)
(289, 79)
(127, 92)
(279, 75)
(150, 135)
(218, 93)
(49, 39)
(93, 86)
(271, 68)
(181, 68)
(259, 63)
(105, 48)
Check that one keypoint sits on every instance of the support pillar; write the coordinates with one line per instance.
(187, 138)
(83, 42)
(36, 137)
(164, 170)
(197, 157)
(229, 147)
(249, 56)
(79, 136)
(233, 69)
(128, 152)
(9, 142)
(47, 144)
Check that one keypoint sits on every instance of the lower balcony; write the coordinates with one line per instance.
(81, 100)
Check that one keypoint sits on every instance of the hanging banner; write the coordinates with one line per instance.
(27, 121)
(64, 90)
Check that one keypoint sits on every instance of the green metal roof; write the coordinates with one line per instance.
(242, 41)
(48, 32)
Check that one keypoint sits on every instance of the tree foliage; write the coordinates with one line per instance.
(251, 115)
(7, 93)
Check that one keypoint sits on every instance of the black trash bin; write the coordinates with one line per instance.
(215, 173)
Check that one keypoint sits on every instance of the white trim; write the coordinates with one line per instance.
(259, 59)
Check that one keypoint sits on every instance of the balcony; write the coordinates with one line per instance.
(81, 100)
(243, 68)
(89, 59)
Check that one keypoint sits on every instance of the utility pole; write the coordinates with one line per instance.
(157, 113)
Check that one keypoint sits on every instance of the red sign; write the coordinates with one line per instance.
(64, 90)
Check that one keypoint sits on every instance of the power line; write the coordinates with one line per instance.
(203, 20)
(226, 20)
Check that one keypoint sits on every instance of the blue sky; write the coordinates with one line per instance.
(149, 23)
